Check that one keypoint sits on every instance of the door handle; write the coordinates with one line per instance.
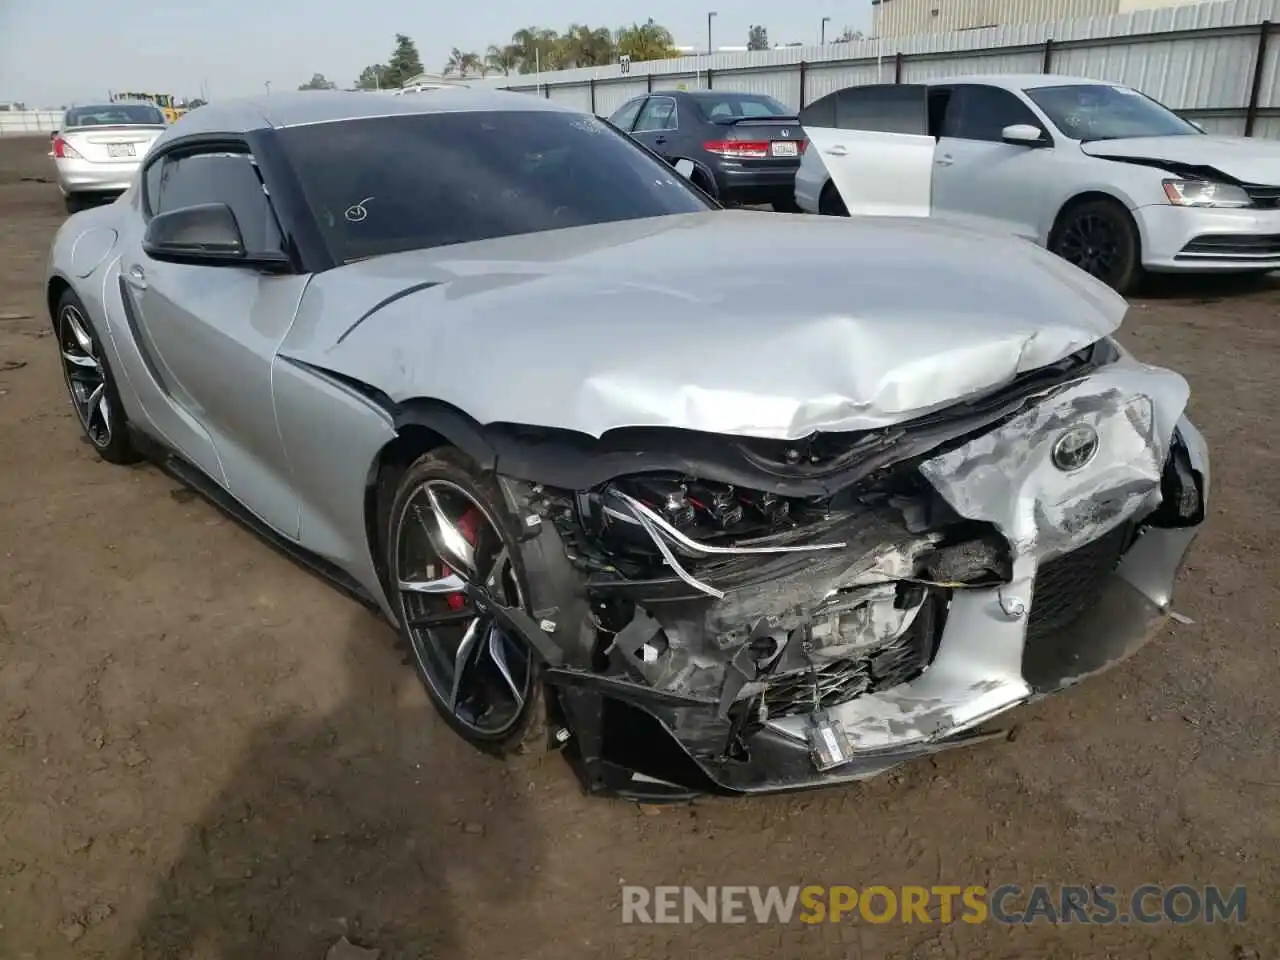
(136, 277)
(661, 140)
(945, 160)
(839, 150)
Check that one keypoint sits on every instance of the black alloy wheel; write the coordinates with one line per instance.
(453, 554)
(1100, 238)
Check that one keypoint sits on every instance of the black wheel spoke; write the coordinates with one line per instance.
(451, 563)
(85, 375)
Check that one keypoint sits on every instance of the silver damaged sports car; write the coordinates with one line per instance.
(711, 500)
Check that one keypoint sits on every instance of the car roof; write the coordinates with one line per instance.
(1018, 81)
(332, 106)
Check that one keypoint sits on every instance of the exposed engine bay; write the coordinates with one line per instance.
(868, 593)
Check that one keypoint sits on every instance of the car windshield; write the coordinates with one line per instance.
(1102, 111)
(115, 115)
(730, 106)
(388, 184)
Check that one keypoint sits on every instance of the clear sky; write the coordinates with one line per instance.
(55, 51)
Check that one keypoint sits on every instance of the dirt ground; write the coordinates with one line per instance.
(206, 752)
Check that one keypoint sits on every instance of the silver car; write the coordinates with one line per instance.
(99, 147)
(1099, 173)
(715, 500)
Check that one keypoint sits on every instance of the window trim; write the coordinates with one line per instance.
(675, 114)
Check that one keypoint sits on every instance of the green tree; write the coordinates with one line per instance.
(584, 46)
(463, 64)
(757, 38)
(536, 47)
(646, 41)
(404, 62)
(318, 82)
(502, 59)
(373, 77)
(849, 35)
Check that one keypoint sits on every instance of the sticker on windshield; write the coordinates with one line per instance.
(357, 212)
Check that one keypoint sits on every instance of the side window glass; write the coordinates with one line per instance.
(625, 117)
(981, 113)
(883, 108)
(230, 178)
(820, 113)
(659, 113)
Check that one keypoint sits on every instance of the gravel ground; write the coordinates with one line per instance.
(208, 753)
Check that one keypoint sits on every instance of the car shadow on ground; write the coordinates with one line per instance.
(1206, 286)
(368, 822)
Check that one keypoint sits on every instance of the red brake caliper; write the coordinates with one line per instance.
(469, 525)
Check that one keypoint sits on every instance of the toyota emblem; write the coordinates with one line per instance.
(1075, 448)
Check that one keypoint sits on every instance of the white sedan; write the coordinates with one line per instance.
(1100, 173)
(99, 147)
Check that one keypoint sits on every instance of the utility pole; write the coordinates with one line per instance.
(710, 15)
(267, 84)
(822, 35)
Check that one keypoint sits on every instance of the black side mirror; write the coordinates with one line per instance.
(206, 234)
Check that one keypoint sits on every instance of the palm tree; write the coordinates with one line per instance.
(462, 63)
(646, 41)
(537, 47)
(587, 46)
(502, 59)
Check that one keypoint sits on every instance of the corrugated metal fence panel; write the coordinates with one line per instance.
(919, 71)
(1268, 127)
(820, 79)
(680, 81)
(1269, 95)
(613, 94)
(18, 122)
(576, 95)
(1223, 126)
(1184, 74)
(782, 85)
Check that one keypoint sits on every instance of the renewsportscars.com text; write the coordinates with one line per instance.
(1008, 904)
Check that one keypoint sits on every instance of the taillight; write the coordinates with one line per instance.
(742, 149)
(64, 151)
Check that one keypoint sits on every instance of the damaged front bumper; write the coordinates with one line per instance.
(1098, 488)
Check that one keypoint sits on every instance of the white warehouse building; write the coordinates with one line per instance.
(902, 18)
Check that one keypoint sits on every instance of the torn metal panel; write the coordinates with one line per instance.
(1072, 467)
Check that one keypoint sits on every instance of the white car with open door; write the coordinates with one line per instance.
(1101, 174)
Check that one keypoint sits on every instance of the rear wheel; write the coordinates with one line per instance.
(830, 203)
(90, 383)
(451, 551)
(786, 205)
(1100, 237)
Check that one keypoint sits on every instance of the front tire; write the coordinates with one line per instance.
(1100, 237)
(90, 383)
(449, 539)
(830, 203)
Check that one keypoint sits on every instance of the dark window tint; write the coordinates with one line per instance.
(729, 106)
(882, 108)
(659, 113)
(981, 113)
(113, 114)
(1100, 111)
(230, 178)
(625, 118)
(387, 184)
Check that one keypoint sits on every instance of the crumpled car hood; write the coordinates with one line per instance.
(1247, 159)
(734, 322)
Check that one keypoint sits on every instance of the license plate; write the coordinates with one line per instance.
(118, 150)
(785, 148)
